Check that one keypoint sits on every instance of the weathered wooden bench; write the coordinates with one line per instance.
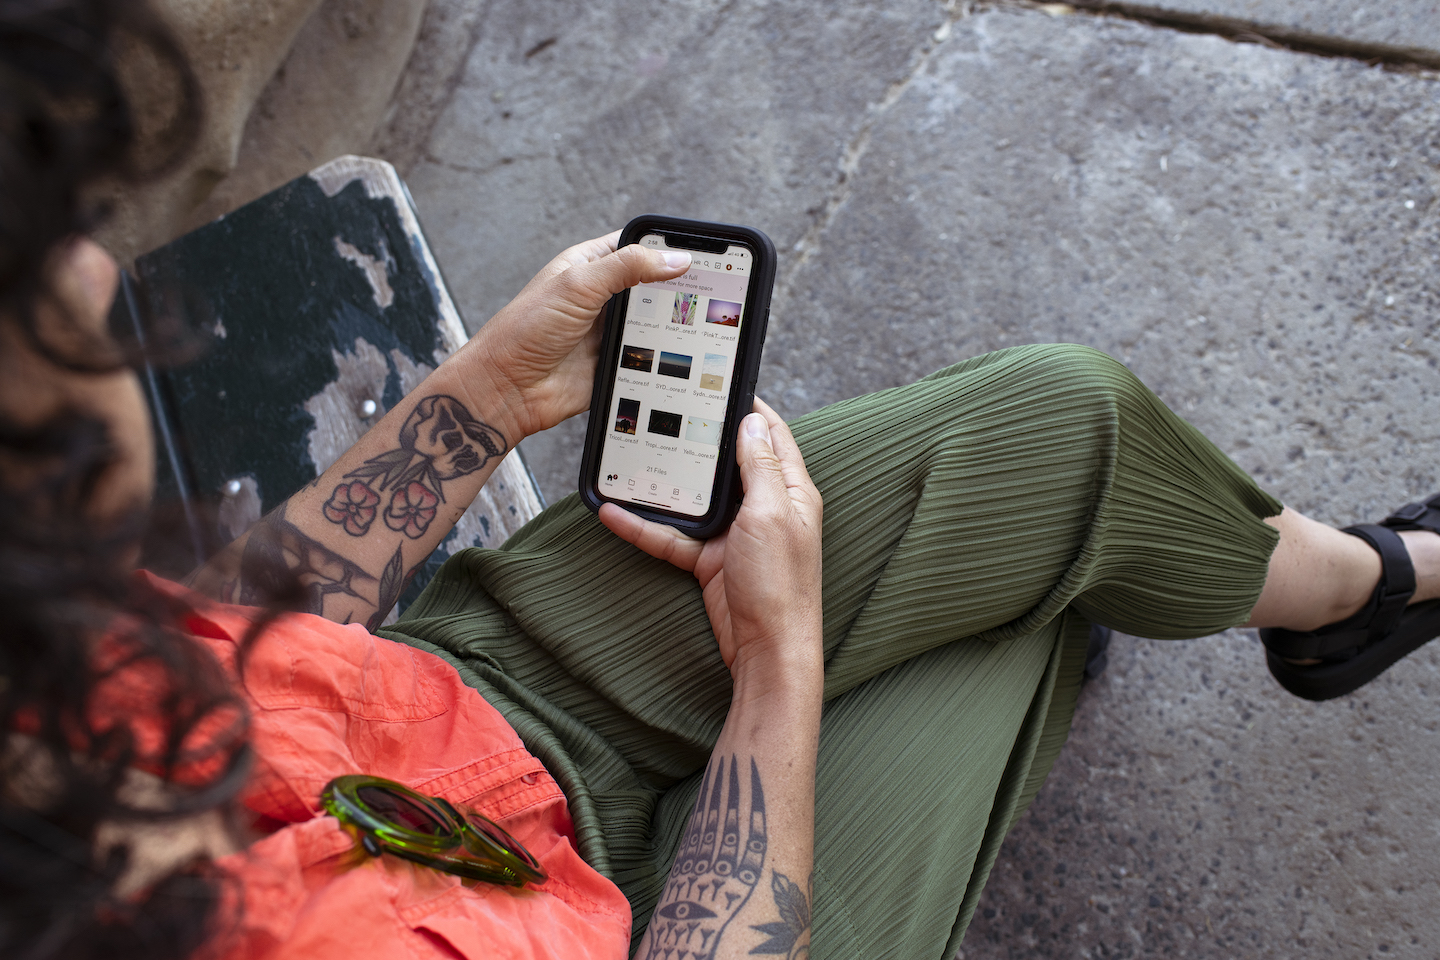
(322, 306)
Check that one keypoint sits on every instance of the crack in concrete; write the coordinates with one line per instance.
(471, 169)
(855, 150)
(1247, 31)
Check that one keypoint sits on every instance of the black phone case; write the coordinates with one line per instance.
(747, 366)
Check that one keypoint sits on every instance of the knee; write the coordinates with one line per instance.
(1075, 358)
(1076, 376)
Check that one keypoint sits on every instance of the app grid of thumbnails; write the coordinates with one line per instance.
(668, 363)
(665, 423)
(698, 429)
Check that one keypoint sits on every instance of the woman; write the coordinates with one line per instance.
(647, 722)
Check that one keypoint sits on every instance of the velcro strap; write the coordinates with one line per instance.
(1300, 645)
(1416, 516)
(1397, 576)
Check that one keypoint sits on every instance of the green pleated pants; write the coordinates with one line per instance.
(975, 523)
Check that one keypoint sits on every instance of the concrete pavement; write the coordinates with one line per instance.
(1253, 229)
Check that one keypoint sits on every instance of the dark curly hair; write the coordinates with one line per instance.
(75, 619)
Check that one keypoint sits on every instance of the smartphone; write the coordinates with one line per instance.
(676, 374)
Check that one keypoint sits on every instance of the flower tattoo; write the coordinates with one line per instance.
(411, 510)
(439, 441)
(352, 506)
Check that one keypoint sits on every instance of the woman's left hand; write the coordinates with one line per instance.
(761, 577)
(539, 352)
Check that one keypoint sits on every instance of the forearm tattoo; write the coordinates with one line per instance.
(278, 553)
(721, 861)
(439, 441)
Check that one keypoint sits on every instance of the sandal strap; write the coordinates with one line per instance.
(1371, 622)
(1397, 577)
(1416, 516)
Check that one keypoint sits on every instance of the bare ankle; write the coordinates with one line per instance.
(1318, 576)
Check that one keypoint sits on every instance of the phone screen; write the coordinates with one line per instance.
(679, 340)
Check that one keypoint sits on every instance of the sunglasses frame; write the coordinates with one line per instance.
(457, 847)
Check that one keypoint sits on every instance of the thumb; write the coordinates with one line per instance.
(761, 475)
(589, 285)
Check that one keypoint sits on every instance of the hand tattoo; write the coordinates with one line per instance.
(714, 872)
(790, 937)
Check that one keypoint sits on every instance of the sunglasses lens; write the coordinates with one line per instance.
(501, 839)
(400, 811)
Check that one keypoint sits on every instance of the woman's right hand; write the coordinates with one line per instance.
(761, 577)
(539, 352)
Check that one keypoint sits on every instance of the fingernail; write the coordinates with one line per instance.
(756, 426)
(676, 260)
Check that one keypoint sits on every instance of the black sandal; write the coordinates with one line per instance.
(1358, 649)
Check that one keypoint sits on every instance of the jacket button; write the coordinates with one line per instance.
(530, 778)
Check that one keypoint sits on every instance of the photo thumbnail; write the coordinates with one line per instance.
(665, 424)
(703, 430)
(723, 313)
(674, 365)
(637, 358)
(627, 417)
(686, 306)
(712, 371)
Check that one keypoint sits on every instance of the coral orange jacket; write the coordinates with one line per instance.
(329, 700)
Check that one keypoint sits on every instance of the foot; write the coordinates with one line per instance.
(1423, 548)
(1401, 613)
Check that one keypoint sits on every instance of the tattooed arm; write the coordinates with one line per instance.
(742, 881)
(358, 533)
(741, 884)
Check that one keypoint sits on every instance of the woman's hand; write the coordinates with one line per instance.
(761, 577)
(761, 580)
(538, 353)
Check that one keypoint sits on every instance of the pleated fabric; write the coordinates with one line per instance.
(976, 522)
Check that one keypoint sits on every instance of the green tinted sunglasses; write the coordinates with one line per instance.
(389, 817)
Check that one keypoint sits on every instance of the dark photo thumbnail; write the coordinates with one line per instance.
(723, 313)
(674, 365)
(665, 424)
(627, 418)
(637, 358)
